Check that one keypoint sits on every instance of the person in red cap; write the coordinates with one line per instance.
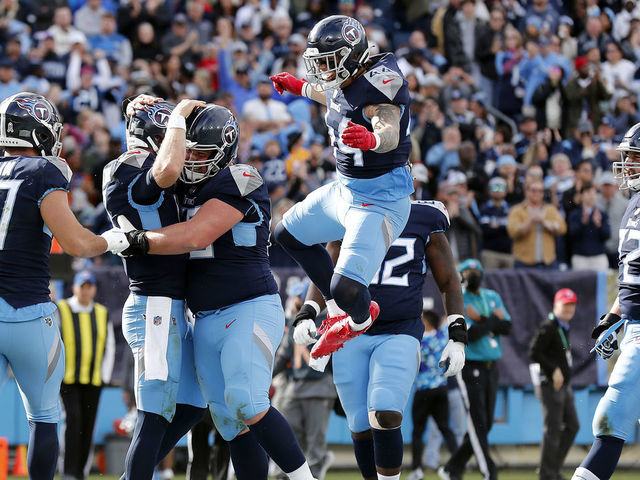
(550, 348)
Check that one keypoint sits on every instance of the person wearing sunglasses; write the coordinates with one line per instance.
(493, 221)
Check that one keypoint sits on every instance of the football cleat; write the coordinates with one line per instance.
(328, 322)
(334, 337)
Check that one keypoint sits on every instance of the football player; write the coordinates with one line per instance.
(232, 293)
(618, 410)
(382, 363)
(368, 206)
(34, 206)
(139, 186)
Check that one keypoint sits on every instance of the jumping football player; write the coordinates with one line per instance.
(618, 411)
(368, 206)
(382, 363)
(139, 185)
(232, 293)
(34, 183)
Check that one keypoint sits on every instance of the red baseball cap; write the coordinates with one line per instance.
(565, 295)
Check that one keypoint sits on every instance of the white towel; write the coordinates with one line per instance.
(157, 324)
(319, 364)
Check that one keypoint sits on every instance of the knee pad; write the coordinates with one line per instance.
(350, 294)
(385, 420)
(242, 404)
(285, 239)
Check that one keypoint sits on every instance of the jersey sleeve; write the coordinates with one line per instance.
(237, 185)
(434, 215)
(386, 84)
(145, 189)
(56, 175)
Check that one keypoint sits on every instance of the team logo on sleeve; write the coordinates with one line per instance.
(230, 133)
(36, 108)
(351, 32)
(159, 115)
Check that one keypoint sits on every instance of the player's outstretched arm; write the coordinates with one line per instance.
(286, 82)
(385, 119)
(73, 237)
(170, 160)
(213, 219)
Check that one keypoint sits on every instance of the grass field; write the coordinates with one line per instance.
(346, 475)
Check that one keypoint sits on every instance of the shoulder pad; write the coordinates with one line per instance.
(61, 165)
(386, 80)
(247, 178)
(436, 205)
(134, 158)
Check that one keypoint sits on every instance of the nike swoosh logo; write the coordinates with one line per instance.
(230, 323)
(247, 175)
(366, 204)
(387, 81)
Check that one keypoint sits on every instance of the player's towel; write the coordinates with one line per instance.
(158, 322)
(319, 364)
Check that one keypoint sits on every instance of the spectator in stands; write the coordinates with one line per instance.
(589, 230)
(444, 155)
(65, 34)
(617, 70)
(87, 18)
(488, 42)
(547, 14)
(593, 34)
(145, 44)
(135, 12)
(571, 197)
(430, 398)
(527, 132)
(496, 243)
(464, 234)
(560, 179)
(625, 111)
(8, 83)
(446, 29)
(507, 169)
(265, 113)
(111, 42)
(460, 115)
(197, 22)
(550, 348)
(568, 44)
(180, 42)
(239, 86)
(622, 22)
(533, 225)
(487, 319)
(509, 89)
(550, 100)
(611, 201)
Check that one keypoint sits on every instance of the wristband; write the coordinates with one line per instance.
(377, 137)
(457, 328)
(305, 92)
(308, 311)
(177, 121)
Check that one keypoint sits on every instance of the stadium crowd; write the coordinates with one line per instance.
(517, 106)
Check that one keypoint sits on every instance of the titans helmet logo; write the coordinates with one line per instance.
(230, 133)
(158, 114)
(352, 33)
(38, 109)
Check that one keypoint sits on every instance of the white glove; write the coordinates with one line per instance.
(608, 346)
(116, 240)
(454, 352)
(304, 332)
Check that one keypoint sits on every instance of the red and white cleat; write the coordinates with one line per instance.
(338, 331)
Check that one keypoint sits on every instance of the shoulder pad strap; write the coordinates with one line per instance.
(247, 178)
(61, 165)
(386, 80)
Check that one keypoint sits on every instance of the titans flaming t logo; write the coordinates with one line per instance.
(230, 133)
(36, 108)
(351, 33)
(159, 115)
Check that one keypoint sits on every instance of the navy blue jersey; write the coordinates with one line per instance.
(629, 254)
(236, 266)
(382, 83)
(25, 241)
(129, 189)
(397, 286)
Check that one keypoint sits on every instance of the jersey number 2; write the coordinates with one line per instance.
(11, 189)
(629, 234)
(387, 277)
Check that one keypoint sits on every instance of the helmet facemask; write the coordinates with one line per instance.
(627, 170)
(197, 170)
(327, 70)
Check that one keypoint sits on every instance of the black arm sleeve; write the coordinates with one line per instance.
(478, 330)
(502, 327)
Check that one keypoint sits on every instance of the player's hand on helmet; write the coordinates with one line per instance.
(607, 346)
(357, 136)
(185, 107)
(304, 325)
(286, 82)
(453, 353)
(139, 102)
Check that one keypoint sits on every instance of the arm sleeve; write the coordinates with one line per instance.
(477, 330)
(145, 190)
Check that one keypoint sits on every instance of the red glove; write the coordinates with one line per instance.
(357, 136)
(286, 81)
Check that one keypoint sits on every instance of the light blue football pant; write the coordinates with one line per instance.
(35, 351)
(619, 409)
(157, 396)
(234, 352)
(367, 227)
(375, 373)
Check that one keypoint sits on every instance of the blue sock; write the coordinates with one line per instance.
(145, 445)
(314, 259)
(42, 454)
(603, 456)
(363, 449)
(277, 438)
(186, 416)
(387, 447)
(250, 461)
(351, 296)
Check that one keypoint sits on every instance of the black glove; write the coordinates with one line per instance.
(138, 244)
(306, 312)
(606, 321)
(458, 330)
